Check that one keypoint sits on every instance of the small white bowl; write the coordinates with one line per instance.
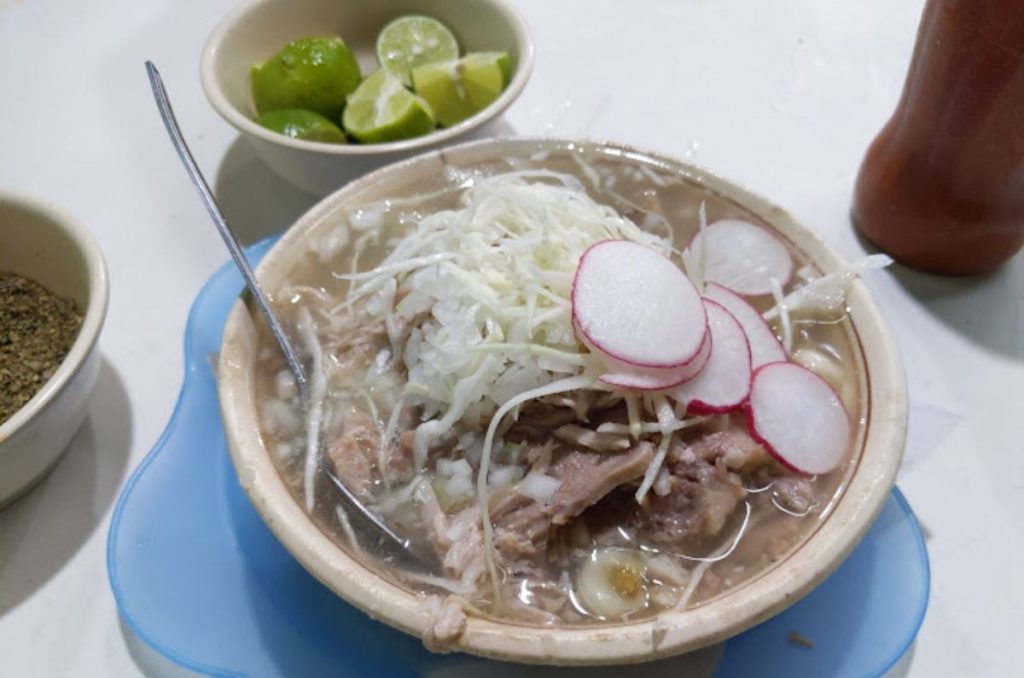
(46, 244)
(878, 449)
(259, 28)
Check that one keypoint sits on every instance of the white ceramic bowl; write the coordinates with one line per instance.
(48, 245)
(259, 28)
(878, 448)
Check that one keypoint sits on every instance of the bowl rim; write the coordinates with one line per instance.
(92, 318)
(766, 595)
(243, 123)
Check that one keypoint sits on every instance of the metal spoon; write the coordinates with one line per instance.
(163, 103)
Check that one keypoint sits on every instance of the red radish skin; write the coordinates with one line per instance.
(743, 256)
(633, 378)
(724, 383)
(798, 418)
(765, 347)
(636, 306)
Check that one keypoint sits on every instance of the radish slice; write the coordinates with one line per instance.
(797, 416)
(633, 377)
(742, 256)
(764, 345)
(724, 383)
(636, 306)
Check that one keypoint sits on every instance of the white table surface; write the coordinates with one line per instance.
(780, 96)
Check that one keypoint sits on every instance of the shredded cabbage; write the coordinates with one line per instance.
(666, 418)
(695, 261)
(826, 296)
(783, 309)
(315, 411)
(490, 285)
(652, 427)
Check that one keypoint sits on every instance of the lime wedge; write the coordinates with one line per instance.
(459, 89)
(499, 58)
(382, 109)
(315, 74)
(440, 85)
(414, 40)
(299, 124)
(485, 75)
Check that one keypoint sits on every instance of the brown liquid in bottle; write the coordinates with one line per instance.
(942, 186)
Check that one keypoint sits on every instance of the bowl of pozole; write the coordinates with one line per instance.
(627, 407)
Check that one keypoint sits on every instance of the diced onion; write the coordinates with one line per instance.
(539, 486)
(504, 476)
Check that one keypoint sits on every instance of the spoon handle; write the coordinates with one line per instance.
(170, 122)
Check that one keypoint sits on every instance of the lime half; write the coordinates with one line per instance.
(414, 40)
(459, 89)
(382, 109)
(299, 124)
(315, 74)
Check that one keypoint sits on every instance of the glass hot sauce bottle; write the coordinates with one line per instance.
(942, 186)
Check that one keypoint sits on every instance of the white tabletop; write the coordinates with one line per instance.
(782, 97)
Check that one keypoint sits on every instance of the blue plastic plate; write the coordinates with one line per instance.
(198, 576)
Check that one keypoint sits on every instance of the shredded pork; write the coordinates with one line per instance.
(523, 525)
(704, 488)
(353, 454)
